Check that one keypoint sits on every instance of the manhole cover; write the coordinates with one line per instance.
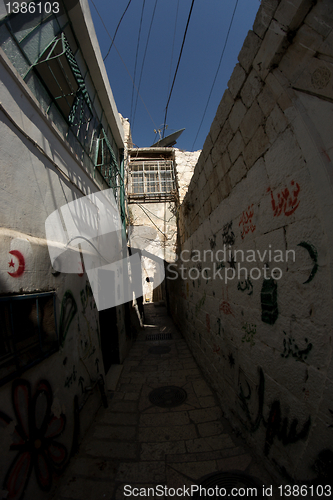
(159, 349)
(226, 481)
(168, 397)
(159, 336)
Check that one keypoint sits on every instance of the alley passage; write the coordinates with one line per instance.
(138, 444)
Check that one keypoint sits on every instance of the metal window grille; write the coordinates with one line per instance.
(151, 178)
(28, 332)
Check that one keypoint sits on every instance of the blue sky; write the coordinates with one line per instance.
(202, 51)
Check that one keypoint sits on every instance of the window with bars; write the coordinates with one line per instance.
(45, 53)
(151, 178)
(28, 332)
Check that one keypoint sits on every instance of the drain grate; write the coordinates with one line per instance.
(228, 480)
(159, 349)
(159, 336)
(168, 397)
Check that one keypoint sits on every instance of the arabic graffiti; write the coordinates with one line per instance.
(245, 285)
(291, 349)
(34, 439)
(250, 330)
(228, 236)
(269, 306)
(71, 378)
(200, 304)
(278, 427)
(287, 202)
(246, 221)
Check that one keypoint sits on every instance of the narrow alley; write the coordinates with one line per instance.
(140, 444)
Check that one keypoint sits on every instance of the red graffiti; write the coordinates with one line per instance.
(225, 308)
(208, 323)
(287, 201)
(21, 264)
(246, 221)
(216, 348)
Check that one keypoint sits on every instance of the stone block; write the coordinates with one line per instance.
(213, 180)
(251, 88)
(237, 171)
(248, 51)
(207, 147)
(209, 167)
(264, 17)
(236, 80)
(271, 50)
(251, 121)
(283, 158)
(221, 143)
(222, 113)
(256, 147)
(291, 14)
(266, 100)
(222, 166)
(320, 18)
(276, 124)
(236, 146)
(236, 115)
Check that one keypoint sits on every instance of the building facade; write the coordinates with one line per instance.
(61, 139)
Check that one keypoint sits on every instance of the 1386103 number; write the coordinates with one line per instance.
(33, 7)
(305, 490)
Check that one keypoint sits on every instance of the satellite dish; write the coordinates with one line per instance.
(169, 140)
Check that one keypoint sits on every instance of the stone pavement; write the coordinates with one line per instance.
(135, 443)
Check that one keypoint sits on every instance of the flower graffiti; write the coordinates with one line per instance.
(34, 439)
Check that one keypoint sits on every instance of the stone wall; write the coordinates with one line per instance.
(252, 292)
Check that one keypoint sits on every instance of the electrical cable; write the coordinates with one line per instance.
(173, 46)
(129, 74)
(114, 36)
(136, 56)
(179, 58)
(143, 62)
(218, 68)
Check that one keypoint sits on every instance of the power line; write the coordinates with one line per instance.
(180, 55)
(136, 56)
(114, 36)
(173, 45)
(218, 68)
(143, 61)
(129, 74)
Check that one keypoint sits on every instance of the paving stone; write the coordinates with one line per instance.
(93, 468)
(175, 433)
(240, 462)
(210, 429)
(179, 418)
(132, 490)
(209, 443)
(112, 418)
(205, 414)
(111, 449)
(195, 470)
(124, 433)
(80, 488)
(159, 451)
(123, 406)
(153, 472)
(203, 456)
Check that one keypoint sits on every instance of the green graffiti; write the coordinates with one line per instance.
(250, 330)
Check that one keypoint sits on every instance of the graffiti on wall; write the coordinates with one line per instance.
(277, 426)
(17, 265)
(34, 438)
(245, 285)
(225, 306)
(286, 201)
(228, 236)
(246, 221)
(67, 313)
(250, 330)
(290, 348)
(314, 257)
(269, 306)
